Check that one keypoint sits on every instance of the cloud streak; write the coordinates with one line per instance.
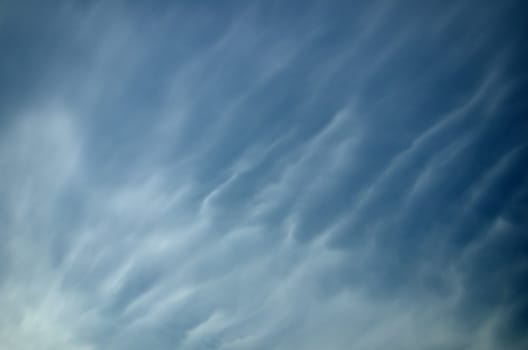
(263, 176)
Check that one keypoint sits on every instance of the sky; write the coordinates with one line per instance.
(264, 175)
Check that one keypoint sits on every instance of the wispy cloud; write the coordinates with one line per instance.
(262, 176)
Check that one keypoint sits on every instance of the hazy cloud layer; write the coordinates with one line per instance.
(263, 175)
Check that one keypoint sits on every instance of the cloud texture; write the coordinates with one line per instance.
(263, 175)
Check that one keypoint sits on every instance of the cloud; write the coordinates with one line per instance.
(208, 177)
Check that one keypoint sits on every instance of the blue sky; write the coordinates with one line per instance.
(263, 175)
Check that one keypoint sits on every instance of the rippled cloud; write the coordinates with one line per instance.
(263, 175)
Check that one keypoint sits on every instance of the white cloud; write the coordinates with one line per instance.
(166, 250)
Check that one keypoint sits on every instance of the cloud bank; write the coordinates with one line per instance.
(263, 175)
